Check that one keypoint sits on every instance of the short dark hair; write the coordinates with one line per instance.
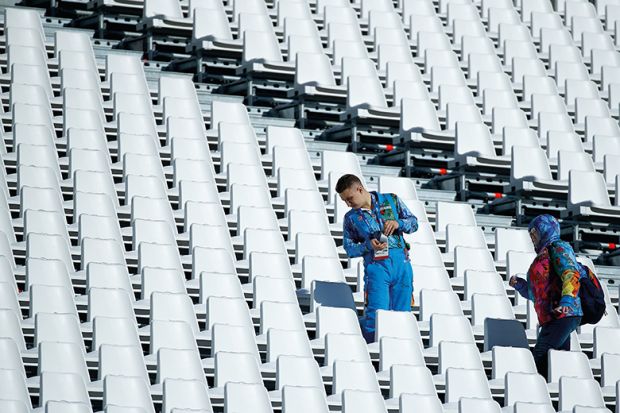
(347, 181)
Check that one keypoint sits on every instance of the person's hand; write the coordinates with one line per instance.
(562, 309)
(376, 245)
(513, 281)
(389, 227)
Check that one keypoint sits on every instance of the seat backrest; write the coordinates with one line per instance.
(246, 397)
(298, 398)
(473, 405)
(335, 320)
(490, 306)
(458, 355)
(511, 239)
(483, 282)
(418, 115)
(573, 161)
(587, 188)
(314, 69)
(529, 164)
(179, 364)
(331, 294)
(234, 338)
(68, 387)
(356, 400)
(185, 394)
(297, 371)
(120, 360)
(438, 302)
(568, 363)
(466, 258)
(411, 403)
(525, 388)
(453, 213)
(127, 391)
(473, 139)
(464, 235)
(320, 269)
(354, 375)
(397, 351)
(210, 23)
(287, 342)
(403, 375)
(397, 324)
(579, 391)
(466, 383)
(504, 332)
(450, 327)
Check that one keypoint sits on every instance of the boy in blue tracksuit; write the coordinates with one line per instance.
(388, 275)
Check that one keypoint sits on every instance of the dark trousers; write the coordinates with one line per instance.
(553, 335)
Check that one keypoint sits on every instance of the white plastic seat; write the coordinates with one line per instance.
(274, 265)
(233, 338)
(596, 195)
(226, 310)
(303, 399)
(318, 245)
(16, 406)
(575, 391)
(496, 306)
(114, 331)
(568, 363)
(60, 357)
(121, 360)
(464, 235)
(179, 364)
(246, 397)
(524, 388)
(236, 367)
(458, 355)
(158, 255)
(287, 342)
(472, 259)
(279, 315)
(438, 302)
(352, 375)
(466, 383)
(426, 277)
(410, 403)
(474, 404)
(50, 299)
(68, 387)
(11, 332)
(446, 327)
(398, 351)
(185, 394)
(354, 400)
(273, 289)
(127, 391)
(335, 320)
(257, 218)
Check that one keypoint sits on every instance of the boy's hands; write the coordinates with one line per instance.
(376, 245)
(390, 227)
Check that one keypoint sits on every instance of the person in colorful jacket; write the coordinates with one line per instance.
(553, 284)
(388, 277)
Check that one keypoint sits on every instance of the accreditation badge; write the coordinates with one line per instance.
(385, 252)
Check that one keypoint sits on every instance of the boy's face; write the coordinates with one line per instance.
(353, 196)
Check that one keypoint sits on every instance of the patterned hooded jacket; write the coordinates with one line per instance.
(553, 276)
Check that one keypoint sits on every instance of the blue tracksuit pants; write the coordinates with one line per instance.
(388, 286)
